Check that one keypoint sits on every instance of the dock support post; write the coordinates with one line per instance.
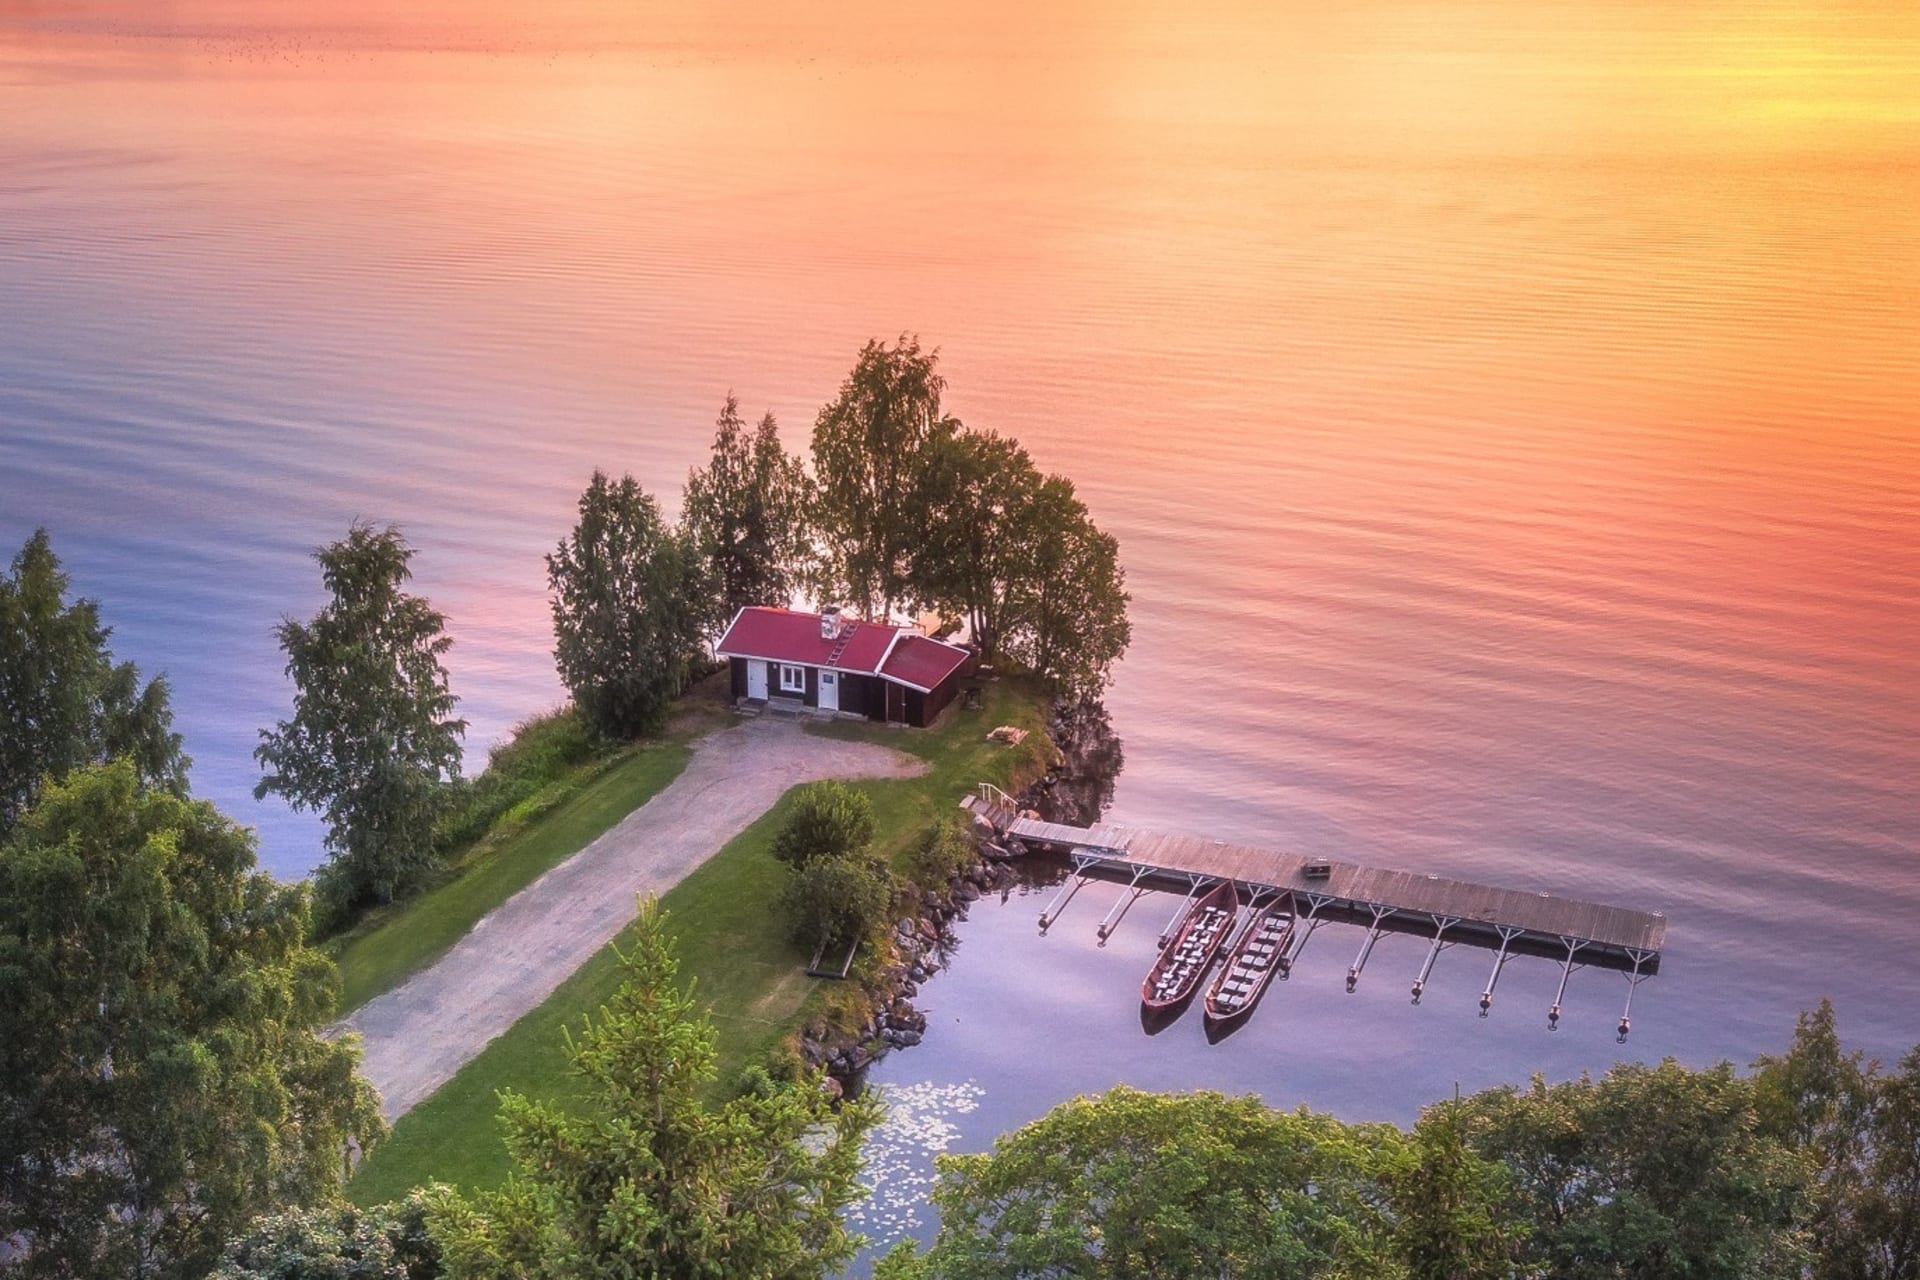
(1379, 915)
(1574, 946)
(1507, 934)
(1119, 909)
(1315, 901)
(1634, 979)
(1180, 912)
(1440, 926)
(1061, 899)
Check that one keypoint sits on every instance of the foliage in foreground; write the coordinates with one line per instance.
(1857, 1126)
(647, 1179)
(1646, 1172)
(386, 1242)
(373, 741)
(66, 703)
(1202, 1186)
(1807, 1167)
(162, 1076)
(626, 609)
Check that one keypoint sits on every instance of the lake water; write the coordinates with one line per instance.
(1508, 414)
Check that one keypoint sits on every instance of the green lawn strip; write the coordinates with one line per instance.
(738, 957)
(381, 953)
(731, 943)
(958, 755)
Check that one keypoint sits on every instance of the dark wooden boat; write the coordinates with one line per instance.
(1256, 956)
(1184, 961)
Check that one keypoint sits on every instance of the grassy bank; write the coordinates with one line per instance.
(542, 799)
(730, 945)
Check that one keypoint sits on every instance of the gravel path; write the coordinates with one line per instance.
(417, 1035)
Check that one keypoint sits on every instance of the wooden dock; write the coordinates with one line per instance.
(1442, 910)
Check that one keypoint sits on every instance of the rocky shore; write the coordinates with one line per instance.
(1075, 788)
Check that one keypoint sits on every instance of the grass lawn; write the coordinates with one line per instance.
(730, 944)
(383, 950)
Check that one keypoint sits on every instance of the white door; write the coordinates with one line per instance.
(757, 680)
(829, 690)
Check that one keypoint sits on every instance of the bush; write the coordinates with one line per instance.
(835, 900)
(944, 851)
(386, 1242)
(828, 820)
(543, 751)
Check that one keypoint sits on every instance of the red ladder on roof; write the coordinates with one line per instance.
(840, 645)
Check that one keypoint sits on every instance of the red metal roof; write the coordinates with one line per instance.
(922, 663)
(786, 635)
(783, 635)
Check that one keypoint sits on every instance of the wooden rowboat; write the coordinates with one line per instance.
(1259, 952)
(1184, 961)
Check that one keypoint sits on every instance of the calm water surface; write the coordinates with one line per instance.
(1508, 415)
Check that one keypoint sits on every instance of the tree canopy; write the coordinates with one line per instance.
(1066, 600)
(626, 612)
(1182, 1186)
(1858, 1127)
(647, 1179)
(981, 498)
(914, 509)
(373, 740)
(162, 1076)
(336, 1242)
(747, 516)
(824, 820)
(1646, 1173)
(872, 448)
(64, 702)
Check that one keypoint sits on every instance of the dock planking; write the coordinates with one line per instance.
(1547, 921)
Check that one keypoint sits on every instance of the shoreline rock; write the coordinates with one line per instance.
(1076, 788)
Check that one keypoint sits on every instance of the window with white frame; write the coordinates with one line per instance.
(793, 679)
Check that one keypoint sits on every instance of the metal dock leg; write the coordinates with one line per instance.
(1574, 947)
(1119, 909)
(1061, 899)
(1440, 926)
(1634, 980)
(1507, 934)
(1180, 912)
(1315, 901)
(1379, 915)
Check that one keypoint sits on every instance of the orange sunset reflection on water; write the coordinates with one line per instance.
(1507, 411)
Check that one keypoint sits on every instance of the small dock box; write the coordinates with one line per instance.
(1317, 870)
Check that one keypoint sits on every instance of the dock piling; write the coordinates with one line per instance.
(1119, 909)
(1311, 918)
(1507, 934)
(1379, 915)
(1440, 926)
(1634, 979)
(1574, 947)
(1061, 899)
(1180, 912)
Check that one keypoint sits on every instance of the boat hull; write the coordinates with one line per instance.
(1189, 954)
(1258, 954)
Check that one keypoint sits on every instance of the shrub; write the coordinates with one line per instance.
(543, 751)
(386, 1242)
(828, 820)
(835, 900)
(944, 851)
